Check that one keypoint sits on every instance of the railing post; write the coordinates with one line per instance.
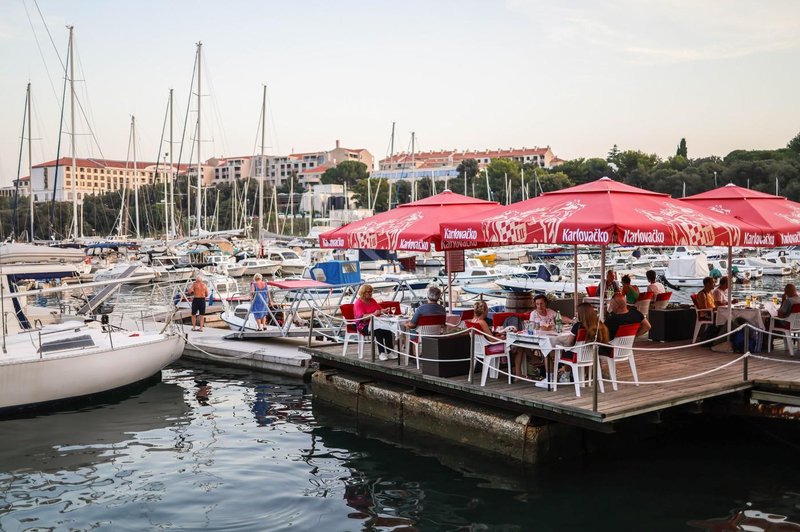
(746, 352)
(372, 335)
(472, 355)
(311, 327)
(596, 372)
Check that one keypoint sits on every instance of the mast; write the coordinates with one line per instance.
(30, 162)
(72, 129)
(135, 176)
(413, 166)
(198, 203)
(391, 161)
(263, 172)
(171, 230)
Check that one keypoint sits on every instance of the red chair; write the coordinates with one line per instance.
(467, 315)
(622, 342)
(392, 305)
(351, 331)
(643, 303)
(498, 318)
(662, 300)
(426, 326)
(591, 291)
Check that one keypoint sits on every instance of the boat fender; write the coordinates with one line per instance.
(211, 296)
(133, 334)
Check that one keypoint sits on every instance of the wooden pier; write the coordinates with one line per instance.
(778, 376)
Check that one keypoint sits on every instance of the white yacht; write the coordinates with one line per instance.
(252, 266)
(290, 262)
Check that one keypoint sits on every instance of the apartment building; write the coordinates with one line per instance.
(308, 167)
(444, 163)
(93, 176)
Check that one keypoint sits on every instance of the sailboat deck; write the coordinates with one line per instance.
(664, 378)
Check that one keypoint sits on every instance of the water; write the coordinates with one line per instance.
(213, 448)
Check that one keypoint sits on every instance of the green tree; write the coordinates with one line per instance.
(682, 152)
(613, 154)
(372, 187)
(350, 172)
(794, 144)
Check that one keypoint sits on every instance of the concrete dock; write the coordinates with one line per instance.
(276, 355)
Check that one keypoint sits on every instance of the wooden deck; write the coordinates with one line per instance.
(779, 375)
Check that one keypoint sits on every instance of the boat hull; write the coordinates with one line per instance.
(37, 380)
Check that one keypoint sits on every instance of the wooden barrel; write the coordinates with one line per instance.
(519, 302)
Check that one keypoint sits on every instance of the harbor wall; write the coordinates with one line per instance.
(511, 436)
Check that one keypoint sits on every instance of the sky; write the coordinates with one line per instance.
(578, 76)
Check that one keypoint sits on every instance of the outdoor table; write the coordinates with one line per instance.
(752, 315)
(390, 323)
(544, 341)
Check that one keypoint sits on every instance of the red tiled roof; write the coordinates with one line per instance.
(316, 170)
(459, 156)
(101, 163)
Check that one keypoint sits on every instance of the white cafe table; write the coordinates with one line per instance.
(753, 315)
(544, 341)
(391, 323)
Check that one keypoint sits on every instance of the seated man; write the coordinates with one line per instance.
(720, 293)
(654, 286)
(431, 308)
(705, 299)
(621, 314)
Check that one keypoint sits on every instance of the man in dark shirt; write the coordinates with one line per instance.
(431, 308)
(621, 314)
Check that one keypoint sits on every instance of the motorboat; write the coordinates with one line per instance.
(687, 269)
(221, 287)
(252, 266)
(290, 262)
(19, 253)
(169, 269)
(766, 266)
(547, 279)
(43, 365)
(143, 273)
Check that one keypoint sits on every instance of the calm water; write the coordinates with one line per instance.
(221, 449)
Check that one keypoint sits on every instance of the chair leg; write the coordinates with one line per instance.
(346, 342)
(577, 376)
(612, 371)
(508, 367)
(360, 346)
(418, 351)
(484, 371)
(770, 339)
(632, 362)
(697, 328)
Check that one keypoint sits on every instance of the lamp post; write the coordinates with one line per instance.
(715, 179)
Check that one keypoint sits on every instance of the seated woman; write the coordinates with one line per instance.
(364, 307)
(587, 319)
(479, 322)
(630, 292)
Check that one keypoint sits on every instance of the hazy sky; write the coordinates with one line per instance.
(579, 76)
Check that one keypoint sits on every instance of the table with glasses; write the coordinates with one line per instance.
(753, 314)
(546, 342)
(391, 322)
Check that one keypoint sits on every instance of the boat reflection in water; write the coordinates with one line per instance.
(68, 441)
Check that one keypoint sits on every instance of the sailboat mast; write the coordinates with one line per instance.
(391, 162)
(72, 130)
(30, 162)
(413, 167)
(198, 204)
(263, 172)
(135, 176)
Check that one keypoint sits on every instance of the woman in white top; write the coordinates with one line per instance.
(542, 317)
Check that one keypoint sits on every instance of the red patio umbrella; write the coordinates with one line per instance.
(411, 227)
(776, 215)
(600, 213)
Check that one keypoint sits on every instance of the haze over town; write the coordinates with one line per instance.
(578, 76)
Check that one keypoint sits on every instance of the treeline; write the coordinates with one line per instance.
(503, 180)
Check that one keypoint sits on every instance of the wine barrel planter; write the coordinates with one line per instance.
(519, 302)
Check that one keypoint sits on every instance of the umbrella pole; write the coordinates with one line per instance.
(730, 288)
(575, 280)
(603, 287)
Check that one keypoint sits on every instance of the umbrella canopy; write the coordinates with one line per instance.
(412, 226)
(599, 213)
(777, 215)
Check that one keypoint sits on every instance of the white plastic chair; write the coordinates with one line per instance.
(704, 317)
(490, 362)
(424, 329)
(790, 335)
(622, 342)
(583, 360)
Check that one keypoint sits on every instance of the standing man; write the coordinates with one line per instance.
(199, 293)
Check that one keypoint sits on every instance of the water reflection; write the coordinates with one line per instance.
(66, 441)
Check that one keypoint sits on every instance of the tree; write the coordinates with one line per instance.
(794, 144)
(682, 149)
(613, 154)
(372, 187)
(350, 172)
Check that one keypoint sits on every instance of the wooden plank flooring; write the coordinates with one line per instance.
(781, 373)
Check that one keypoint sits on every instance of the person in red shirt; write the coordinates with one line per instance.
(364, 307)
